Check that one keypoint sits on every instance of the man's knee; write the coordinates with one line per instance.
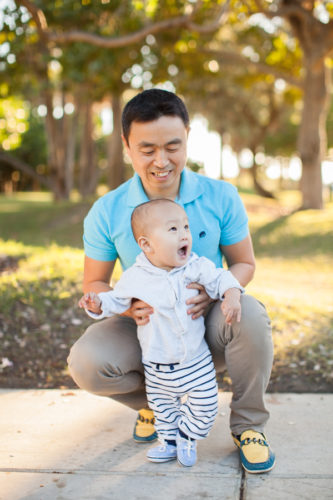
(85, 362)
(254, 327)
(98, 364)
(253, 336)
(255, 324)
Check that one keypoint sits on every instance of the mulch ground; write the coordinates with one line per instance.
(34, 350)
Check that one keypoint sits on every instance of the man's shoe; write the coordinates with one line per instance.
(162, 453)
(186, 451)
(255, 453)
(144, 430)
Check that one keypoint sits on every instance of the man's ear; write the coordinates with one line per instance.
(126, 149)
(125, 143)
(144, 244)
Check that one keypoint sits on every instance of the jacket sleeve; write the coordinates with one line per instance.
(118, 300)
(215, 280)
(111, 305)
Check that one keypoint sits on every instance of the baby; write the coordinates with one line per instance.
(179, 371)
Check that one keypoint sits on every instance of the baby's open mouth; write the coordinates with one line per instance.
(182, 251)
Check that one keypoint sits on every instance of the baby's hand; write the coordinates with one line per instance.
(231, 306)
(92, 302)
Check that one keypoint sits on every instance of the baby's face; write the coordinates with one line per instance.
(169, 237)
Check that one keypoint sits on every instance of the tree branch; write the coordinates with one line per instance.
(292, 9)
(329, 38)
(261, 7)
(37, 15)
(299, 16)
(214, 25)
(20, 165)
(120, 41)
(236, 58)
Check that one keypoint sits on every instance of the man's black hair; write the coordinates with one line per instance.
(150, 105)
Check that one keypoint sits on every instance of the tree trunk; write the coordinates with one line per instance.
(70, 126)
(312, 133)
(257, 185)
(88, 176)
(254, 173)
(54, 154)
(60, 140)
(315, 39)
(116, 165)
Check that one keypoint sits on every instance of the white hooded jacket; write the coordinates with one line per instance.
(171, 336)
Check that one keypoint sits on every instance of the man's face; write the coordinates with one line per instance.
(158, 152)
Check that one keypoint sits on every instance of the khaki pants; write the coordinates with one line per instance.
(106, 361)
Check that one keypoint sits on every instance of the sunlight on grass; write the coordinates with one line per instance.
(301, 281)
(41, 273)
(117, 272)
(299, 233)
(42, 222)
(52, 272)
(31, 196)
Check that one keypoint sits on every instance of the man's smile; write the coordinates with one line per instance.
(161, 175)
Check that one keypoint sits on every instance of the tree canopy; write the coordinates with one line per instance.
(254, 68)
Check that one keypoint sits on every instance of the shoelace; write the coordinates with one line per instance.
(188, 445)
(163, 444)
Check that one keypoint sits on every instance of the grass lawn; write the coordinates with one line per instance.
(41, 272)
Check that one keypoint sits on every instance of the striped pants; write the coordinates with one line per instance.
(166, 386)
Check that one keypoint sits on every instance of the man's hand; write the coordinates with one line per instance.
(139, 311)
(200, 302)
(92, 302)
(231, 306)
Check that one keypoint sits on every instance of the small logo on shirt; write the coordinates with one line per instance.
(202, 234)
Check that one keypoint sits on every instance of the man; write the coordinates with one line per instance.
(106, 359)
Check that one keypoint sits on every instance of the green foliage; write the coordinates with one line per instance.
(33, 147)
(13, 121)
(236, 97)
(234, 94)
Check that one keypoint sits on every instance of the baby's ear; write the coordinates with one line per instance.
(144, 244)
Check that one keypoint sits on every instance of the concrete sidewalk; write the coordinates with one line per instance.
(70, 445)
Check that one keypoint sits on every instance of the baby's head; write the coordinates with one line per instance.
(161, 229)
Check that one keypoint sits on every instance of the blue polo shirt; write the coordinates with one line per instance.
(215, 211)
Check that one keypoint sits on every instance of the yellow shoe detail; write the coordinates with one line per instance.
(253, 447)
(144, 430)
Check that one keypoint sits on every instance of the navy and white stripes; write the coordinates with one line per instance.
(166, 386)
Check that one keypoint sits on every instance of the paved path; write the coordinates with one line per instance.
(70, 445)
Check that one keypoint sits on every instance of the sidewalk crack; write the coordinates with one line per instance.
(242, 490)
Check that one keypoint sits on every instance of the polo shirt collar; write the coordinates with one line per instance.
(190, 189)
(136, 194)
